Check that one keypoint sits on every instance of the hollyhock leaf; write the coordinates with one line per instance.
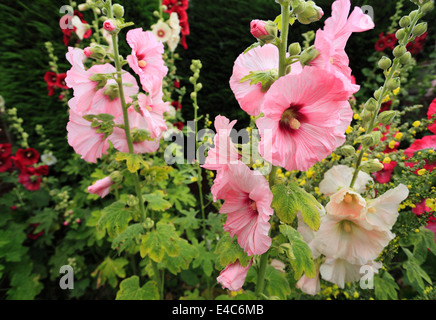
(115, 219)
(189, 220)
(156, 201)
(180, 197)
(130, 290)
(157, 174)
(24, 284)
(175, 264)
(278, 285)
(157, 243)
(415, 275)
(11, 248)
(265, 78)
(385, 287)
(229, 251)
(423, 241)
(46, 220)
(205, 259)
(133, 161)
(299, 253)
(291, 199)
(110, 270)
(129, 238)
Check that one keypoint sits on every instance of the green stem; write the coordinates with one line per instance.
(157, 278)
(384, 91)
(95, 24)
(272, 176)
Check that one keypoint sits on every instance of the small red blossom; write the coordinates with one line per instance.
(42, 170)
(5, 150)
(384, 175)
(60, 81)
(179, 125)
(27, 157)
(32, 235)
(31, 181)
(5, 164)
(430, 113)
(177, 105)
(381, 45)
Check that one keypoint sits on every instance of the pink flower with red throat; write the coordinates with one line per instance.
(146, 59)
(247, 203)
(152, 109)
(430, 113)
(251, 96)
(84, 139)
(101, 187)
(233, 276)
(427, 142)
(331, 41)
(306, 116)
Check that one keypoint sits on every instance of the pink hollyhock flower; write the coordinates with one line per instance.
(340, 176)
(309, 286)
(247, 202)
(87, 52)
(331, 41)
(347, 204)
(224, 152)
(258, 28)
(146, 59)
(233, 276)
(109, 25)
(306, 116)
(153, 108)
(84, 139)
(265, 58)
(101, 187)
(137, 122)
(427, 142)
(432, 111)
(382, 212)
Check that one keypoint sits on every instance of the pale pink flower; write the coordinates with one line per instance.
(331, 41)
(101, 187)
(224, 151)
(233, 276)
(84, 139)
(146, 59)
(306, 116)
(153, 108)
(308, 285)
(340, 176)
(137, 122)
(339, 272)
(247, 202)
(347, 204)
(382, 213)
(265, 58)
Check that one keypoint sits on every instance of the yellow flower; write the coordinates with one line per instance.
(396, 91)
(431, 151)
(279, 171)
(416, 124)
(357, 117)
(422, 172)
(211, 174)
(310, 173)
(194, 179)
(386, 99)
(398, 136)
(387, 160)
(349, 130)
(361, 129)
(392, 144)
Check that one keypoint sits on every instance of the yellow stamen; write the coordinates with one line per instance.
(348, 198)
(294, 124)
(142, 63)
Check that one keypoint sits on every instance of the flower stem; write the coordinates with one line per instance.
(95, 24)
(372, 123)
(260, 284)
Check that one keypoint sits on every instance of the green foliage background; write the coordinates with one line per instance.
(219, 33)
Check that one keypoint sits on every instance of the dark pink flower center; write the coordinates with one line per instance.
(292, 119)
(141, 61)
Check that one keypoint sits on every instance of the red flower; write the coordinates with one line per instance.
(381, 45)
(179, 125)
(33, 236)
(414, 47)
(176, 5)
(30, 179)
(50, 78)
(42, 170)
(180, 6)
(60, 81)
(386, 106)
(177, 84)
(432, 111)
(427, 142)
(67, 32)
(14, 207)
(390, 40)
(384, 175)
(5, 150)
(5, 164)
(27, 157)
(177, 105)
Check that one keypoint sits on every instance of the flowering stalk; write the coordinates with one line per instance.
(282, 72)
(95, 25)
(383, 92)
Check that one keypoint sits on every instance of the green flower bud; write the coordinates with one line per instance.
(132, 201)
(377, 94)
(347, 151)
(385, 63)
(294, 49)
(112, 92)
(116, 177)
(148, 224)
(400, 34)
(96, 52)
(371, 166)
(405, 22)
(393, 84)
(298, 6)
(308, 55)
(419, 29)
(386, 117)
(427, 7)
(413, 14)
(371, 105)
(193, 95)
(310, 14)
(366, 116)
(399, 51)
(406, 58)
(118, 10)
(367, 140)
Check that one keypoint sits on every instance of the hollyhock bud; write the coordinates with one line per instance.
(371, 166)
(116, 177)
(393, 84)
(371, 105)
(406, 58)
(377, 93)
(118, 10)
(294, 49)
(308, 55)
(419, 29)
(110, 26)
(427, 7)
(265, 31)
(386, 117)
(310, 14)
(298, 6)
(347, 151)
(399, 51)
(148, 224)
(385, 63)
(405, 22)
(96, 52)
(101, 187)
(400, 34)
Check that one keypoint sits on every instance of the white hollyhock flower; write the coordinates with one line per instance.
(48, 159)
(162, 31)
(81, 28)
(347, 204)
(174, 22)
(339, 272)
(309, 286)
(173, 41)
(340, 176)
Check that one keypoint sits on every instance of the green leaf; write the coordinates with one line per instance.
(204, 259)
(133, 161)
(46, 219)
(254, 45)
(291, 199)
(229, 251)
(415, 274)
(158, 173)
(422, 242)
(24, 284)
(189, 221)
(298, 252)
(385, 287)
(265, 78)
(115, 219)
(180, 262)
(11, 243)
(157, 243)
(278, 285)
(130, 290)
(130, 238)
(181, 197)
(156, 201)
(110, 270)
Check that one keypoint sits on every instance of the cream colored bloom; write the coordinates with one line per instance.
(162, 31)
(340, 176)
